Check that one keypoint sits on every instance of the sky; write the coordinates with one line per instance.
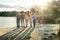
(21, 3)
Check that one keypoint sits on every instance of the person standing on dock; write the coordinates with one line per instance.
(18, 19)
(28, 18)
(33, 19)
(22, 17)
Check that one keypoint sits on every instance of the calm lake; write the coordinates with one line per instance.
(7, 22)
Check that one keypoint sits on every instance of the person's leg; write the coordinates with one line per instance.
(23, 22)
(26, 22)
(18, 22)
(30, 23)
(34, 22)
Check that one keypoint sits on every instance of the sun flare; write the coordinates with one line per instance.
(43, 2)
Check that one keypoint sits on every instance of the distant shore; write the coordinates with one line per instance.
(5, 30)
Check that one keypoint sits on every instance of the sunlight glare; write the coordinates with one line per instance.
(43, 2)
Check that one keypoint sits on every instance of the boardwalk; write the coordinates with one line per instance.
(17, 34)
(11, 33)
(30, 33)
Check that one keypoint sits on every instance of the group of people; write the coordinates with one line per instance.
(25, 17)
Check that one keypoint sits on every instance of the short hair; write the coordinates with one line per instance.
(22, 12)
(27, 11)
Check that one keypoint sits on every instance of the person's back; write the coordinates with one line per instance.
(18, 15)
(18, 19)
(34, 20)
(33, 17)
(22, 16)
(29, 15)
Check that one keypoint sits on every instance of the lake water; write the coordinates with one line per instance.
(7, 22)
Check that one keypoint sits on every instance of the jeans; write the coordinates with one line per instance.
(18, 22)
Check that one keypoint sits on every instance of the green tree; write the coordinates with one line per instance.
(53, 10)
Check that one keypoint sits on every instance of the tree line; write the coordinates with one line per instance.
(8, 13)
